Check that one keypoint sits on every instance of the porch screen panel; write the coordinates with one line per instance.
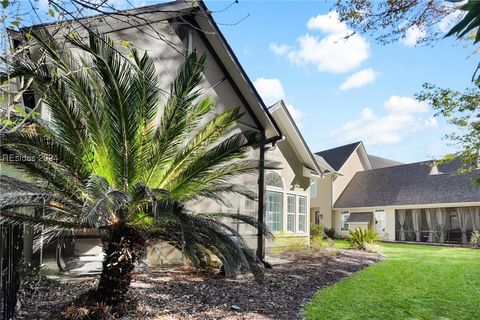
(463, 214)
(274, 210)
(401, 221)
(416, 218)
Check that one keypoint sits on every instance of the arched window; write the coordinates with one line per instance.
(273, 179)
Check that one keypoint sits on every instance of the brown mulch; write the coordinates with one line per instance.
(177, 293)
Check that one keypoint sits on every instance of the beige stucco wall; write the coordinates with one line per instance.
(351, 166)
(359, 225)
(323, 201)
(388, 235)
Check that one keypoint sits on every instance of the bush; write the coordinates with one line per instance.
(475, 239)
(316, 243)
(316, 231)
(329, 232)
(288, 244)
(362, 239)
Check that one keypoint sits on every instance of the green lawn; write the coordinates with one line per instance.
(414, 282)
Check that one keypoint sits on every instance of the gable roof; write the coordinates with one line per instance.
(293, 136)
(409, 184)
(337, 157)
(202, 20)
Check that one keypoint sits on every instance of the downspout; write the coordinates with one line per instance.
(261, 200)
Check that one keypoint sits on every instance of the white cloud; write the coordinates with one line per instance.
(328, 23)
(413, 35)
(359, 79)
(403, 117)
(402, 105)
(296, 114)
(271, 91)
(332, 53)
(279, 49)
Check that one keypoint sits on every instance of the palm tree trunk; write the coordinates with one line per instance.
(120, 250)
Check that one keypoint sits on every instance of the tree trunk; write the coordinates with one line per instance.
(121, 251)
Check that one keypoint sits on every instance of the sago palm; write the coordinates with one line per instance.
(124, 165)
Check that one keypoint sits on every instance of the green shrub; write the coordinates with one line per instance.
(475, 239)
(288, 244)
(329, 232)
(316, 243)
(316, 231)
(362, 239)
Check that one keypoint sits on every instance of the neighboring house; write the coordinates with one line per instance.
(346, 161)
(403, 202)
(180, 27)
(288, 189)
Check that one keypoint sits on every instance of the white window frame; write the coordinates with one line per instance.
(343, 220)
(281, 210)
(302, 214)
(290, 213)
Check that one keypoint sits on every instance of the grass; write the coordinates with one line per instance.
(414, 282)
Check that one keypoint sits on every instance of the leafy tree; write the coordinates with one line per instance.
(390, 21)
(461, 109)
(106, 163)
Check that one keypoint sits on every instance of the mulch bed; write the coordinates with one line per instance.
(179, 293)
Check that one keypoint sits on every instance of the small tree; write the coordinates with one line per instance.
(119, 171)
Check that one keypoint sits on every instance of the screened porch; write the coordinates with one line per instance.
(437, 225)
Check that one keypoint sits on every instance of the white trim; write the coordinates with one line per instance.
(415, 206)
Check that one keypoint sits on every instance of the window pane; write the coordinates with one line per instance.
(313, 189)
(274, 211)
(344, 217)
(291, 213)
(302, 205)
(302, 223)
(272, 179)
(302, 214)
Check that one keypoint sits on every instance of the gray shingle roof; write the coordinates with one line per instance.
(409, 184)
(336, 157)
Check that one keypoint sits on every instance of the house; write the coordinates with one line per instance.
(346, 161)
(288, 190)
(180, 27)
(421, 201)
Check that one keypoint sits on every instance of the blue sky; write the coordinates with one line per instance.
(381, 113)
(293, 50)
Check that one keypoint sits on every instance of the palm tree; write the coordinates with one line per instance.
(124, 166)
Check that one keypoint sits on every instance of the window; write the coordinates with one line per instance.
(249, 204)
(302, 214)
(343, 220)
(272, 179)
(274, 212)
(318, 217)
(313, 189)
(291, 213)
(380, 220)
